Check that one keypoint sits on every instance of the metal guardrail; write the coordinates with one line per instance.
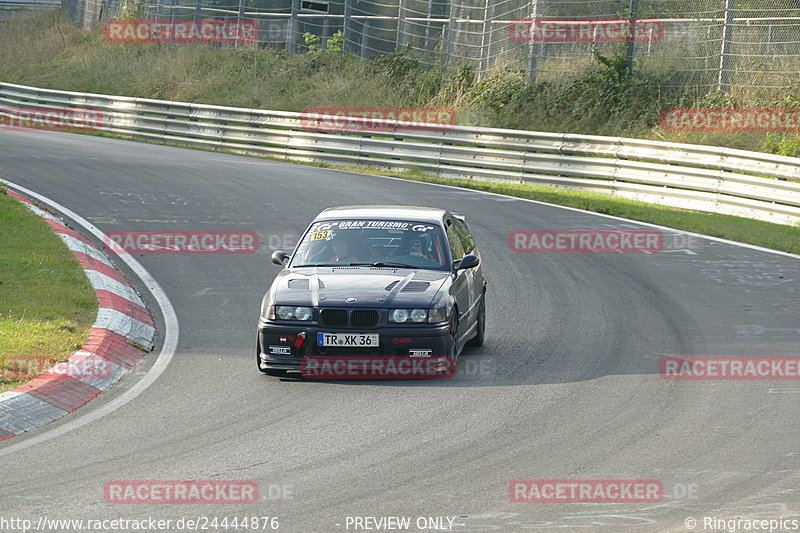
(29, 4)
(715, 179)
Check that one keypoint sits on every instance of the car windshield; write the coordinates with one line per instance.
(391, 243)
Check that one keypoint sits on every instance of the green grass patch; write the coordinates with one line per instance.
(47, 305)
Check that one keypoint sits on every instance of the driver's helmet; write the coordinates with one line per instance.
(416, 244)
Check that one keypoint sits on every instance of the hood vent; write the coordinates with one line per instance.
(416, 286)
(411, 286)
(298, 284)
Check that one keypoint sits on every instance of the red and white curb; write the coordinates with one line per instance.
(122, 332)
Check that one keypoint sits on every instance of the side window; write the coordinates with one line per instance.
(455, 242)
(466, 237)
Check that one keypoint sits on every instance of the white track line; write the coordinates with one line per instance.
(164, 357)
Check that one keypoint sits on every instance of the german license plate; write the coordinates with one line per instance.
(348, 340)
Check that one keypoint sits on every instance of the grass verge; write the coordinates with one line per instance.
(47, 305)
(44, 50)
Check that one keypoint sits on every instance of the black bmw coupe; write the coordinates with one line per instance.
(376, 281)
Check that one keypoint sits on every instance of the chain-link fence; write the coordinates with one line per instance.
(707, 44)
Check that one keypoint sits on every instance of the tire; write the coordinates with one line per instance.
(452, 348)
(480, 324)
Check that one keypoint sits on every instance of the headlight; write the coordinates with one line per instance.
(406, 315)
(289, 312)
(437, 314)
(419, 315)
(398, 315)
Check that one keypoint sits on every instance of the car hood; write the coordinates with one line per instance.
(370, 286)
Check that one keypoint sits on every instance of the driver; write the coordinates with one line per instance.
(413, 246)
(342, 249)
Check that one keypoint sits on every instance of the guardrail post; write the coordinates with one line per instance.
(401, 24)
(723, 80)
(292, 27)
(535, 48)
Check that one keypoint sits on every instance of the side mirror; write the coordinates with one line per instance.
(468, 261)
(279, 257)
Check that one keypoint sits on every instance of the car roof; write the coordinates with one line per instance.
(384, 212)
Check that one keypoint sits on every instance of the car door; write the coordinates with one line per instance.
(475, 276)
(460, 288)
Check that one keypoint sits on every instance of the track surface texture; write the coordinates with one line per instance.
(566, 387)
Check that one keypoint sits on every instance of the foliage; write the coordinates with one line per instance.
(398, 64)
(335, 42)
(130, 10)
(312, 42)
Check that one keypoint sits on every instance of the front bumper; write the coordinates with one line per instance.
(280, 347)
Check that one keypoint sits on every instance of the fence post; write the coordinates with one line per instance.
(450, 33)
(535, 48)
(428, 23)
(239, 18)
(325, 32)
(365, 40)
(197, 14)
(292, 27)
(631, 32)
(401, 24)
(347, 25)
(723, 81)
(460, 24)
(486, 37)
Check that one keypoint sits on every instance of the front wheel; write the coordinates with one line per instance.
(480, 325)
(452, 348)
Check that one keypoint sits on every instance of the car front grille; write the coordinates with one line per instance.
(363, 318)
(359, 318)
(334, 317)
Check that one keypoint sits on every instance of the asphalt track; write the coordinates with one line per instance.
(566, 387)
